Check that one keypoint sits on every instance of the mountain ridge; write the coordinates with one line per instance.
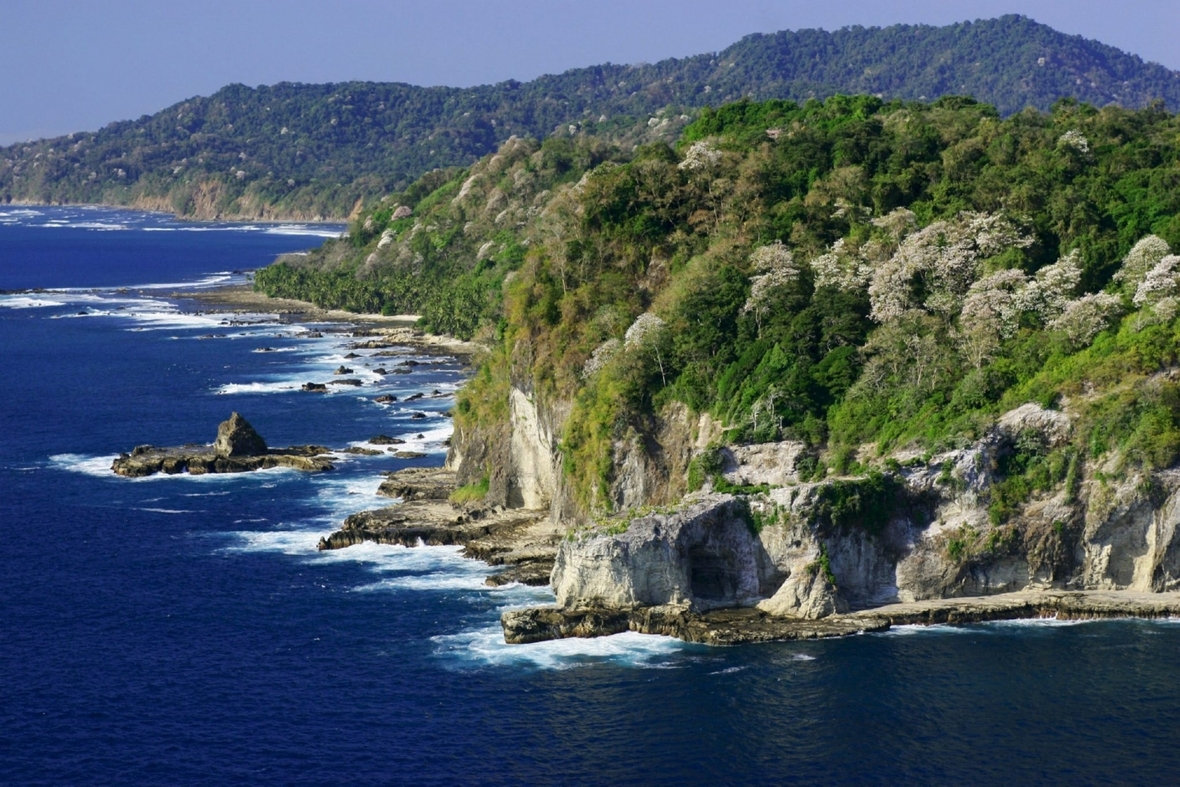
(311, 151)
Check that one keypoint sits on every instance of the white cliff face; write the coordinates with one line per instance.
(763, 463)
(805, 594)
(703, 555)
(533, 462)
(937, 543)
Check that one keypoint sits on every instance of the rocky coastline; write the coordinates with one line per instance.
(761, 553)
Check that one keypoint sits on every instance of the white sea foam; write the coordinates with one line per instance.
(288, 542)
(257, 388)
(165, 510)
(729, 670)
(99, 466)
(486, 646)
(802, 657)
(29, 302)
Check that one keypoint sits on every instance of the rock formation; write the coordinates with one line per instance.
(237, 448)
(235, 437)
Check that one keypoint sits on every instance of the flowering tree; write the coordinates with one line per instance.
(774, 266)
(601, 356)
(1158, 283)
(1076, 140)
(700, 157)
(1142, 257)
(1086, 317)
(991, 312)
(935, 267)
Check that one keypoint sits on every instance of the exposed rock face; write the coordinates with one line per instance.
(806, 594)
(533, 461)
(704, 555)
(235, 437)
(766, 463)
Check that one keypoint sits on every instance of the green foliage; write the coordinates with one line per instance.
(823, 564)
(309, 151)
(557, 253)
(473, 492)
(866, 503)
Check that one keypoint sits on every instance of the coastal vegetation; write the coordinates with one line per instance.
(860, 275)
(312, 151)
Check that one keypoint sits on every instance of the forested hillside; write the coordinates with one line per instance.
(313, 151)
(848, 273)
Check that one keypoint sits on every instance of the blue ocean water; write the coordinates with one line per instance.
(185, 631)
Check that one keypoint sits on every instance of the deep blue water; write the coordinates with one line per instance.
(185, 631)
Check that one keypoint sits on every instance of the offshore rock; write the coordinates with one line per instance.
(236, 437)
(237, 449)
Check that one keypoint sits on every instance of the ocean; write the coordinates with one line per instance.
(184, 630)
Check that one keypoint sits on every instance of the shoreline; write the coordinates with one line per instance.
(746, 625)
(396, 329)
(195, 219)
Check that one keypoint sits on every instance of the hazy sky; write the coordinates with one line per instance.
(72, 65)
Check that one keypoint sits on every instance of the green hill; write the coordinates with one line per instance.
(313, 151)
(848, 273)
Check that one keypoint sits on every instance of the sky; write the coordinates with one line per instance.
(76, 65)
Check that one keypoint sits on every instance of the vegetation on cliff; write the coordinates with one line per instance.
(846, 272)
(310, 151)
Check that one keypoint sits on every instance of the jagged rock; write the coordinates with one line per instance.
(418, 417)
(807, 594)
(315, 387)
(383, 439)
(199, 460)
(237, 449)
(352, 449)
(347, 381)
(415, 397)
(419, 483)
(380, 370)
(409, 454)
(342, 370)
(1055, 426)
(385, 399)
(235, 437)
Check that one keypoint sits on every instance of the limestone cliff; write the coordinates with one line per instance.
(918, 531)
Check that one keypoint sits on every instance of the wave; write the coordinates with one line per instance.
(486, 647)
(97, 466)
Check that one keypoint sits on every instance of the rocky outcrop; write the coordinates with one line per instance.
(918, 534)
(704, 555)
(236, 437)
(737, 626)
(521, 540)
(238, 448)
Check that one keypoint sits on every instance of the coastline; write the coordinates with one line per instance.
(529, 552)
(396, 329)
(745, 625)
(156, 206)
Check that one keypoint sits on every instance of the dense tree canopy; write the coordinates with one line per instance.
(314, 150)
